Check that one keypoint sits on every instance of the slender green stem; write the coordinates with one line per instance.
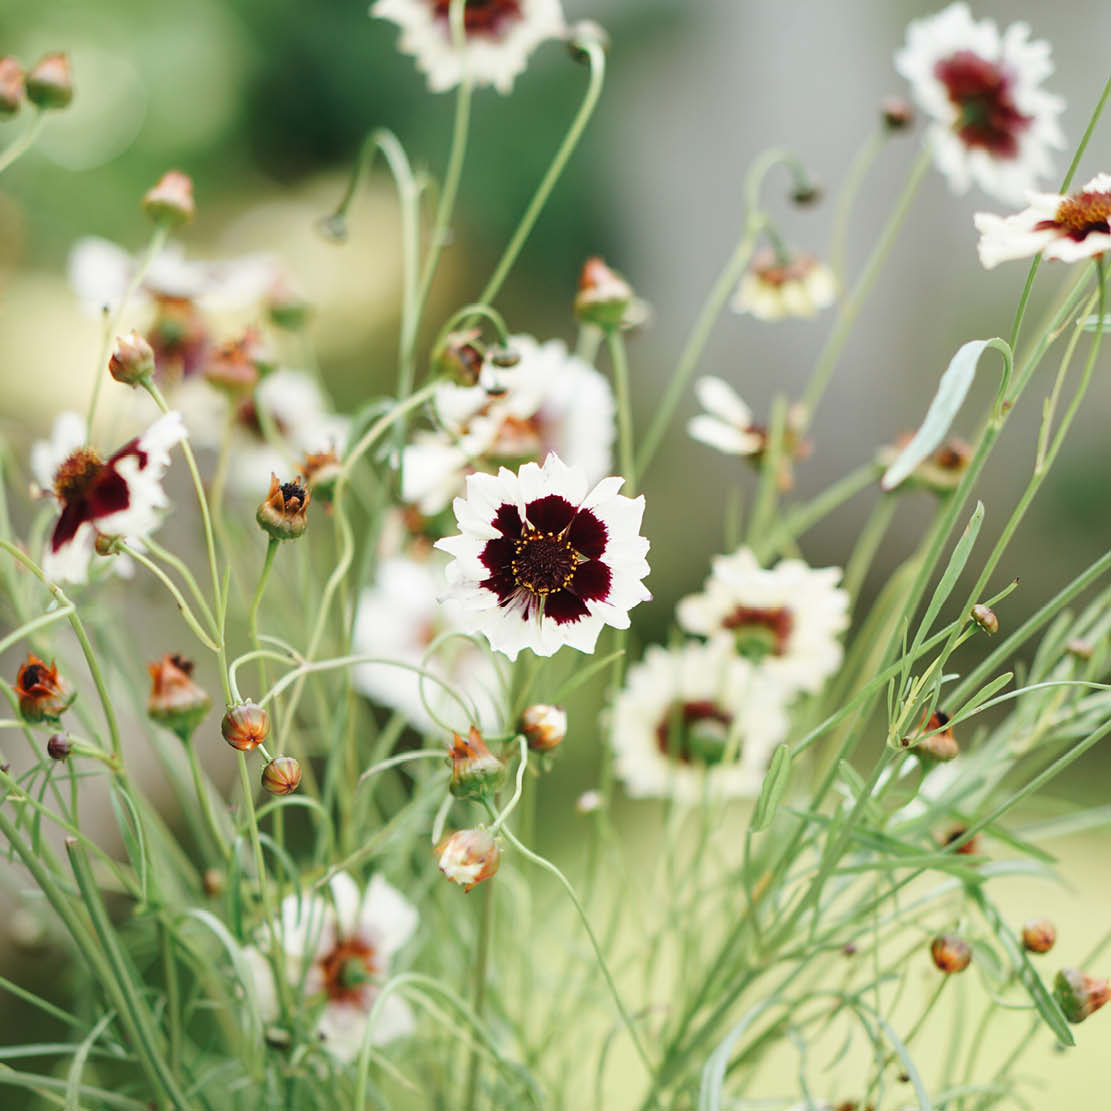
(23, 143)
(252, 616)
(478, 994)
(171, 586)
(620, 363)
(862, 162)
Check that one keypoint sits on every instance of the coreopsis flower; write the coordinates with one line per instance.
(1068, 228)
(544, 726)
(12, 92)
(543, 559)
(468, 856)
(335, 952)
(120, 496)
(1080, 995)
(475, 771)
(776, 286)
(993, 123)
(549, 400)
(175, 699)
(785, 619)
(498, 37)
(941, 473)
(696, 718)
(43, 694)
(283, 512)
(950, 953)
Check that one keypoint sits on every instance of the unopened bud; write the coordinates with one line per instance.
(49, 83)
(285, 306)
(11, 87)
(245, 726)
(132, 360)
(950, 953)
(43, 694)
(1079, 995)
(985, 617)
(896, 113)
(581, 34)
(214, 881)
(333, 228)
(282, 776)
(283, 514)
(806, 194)
(1080, 649)
(175, 700)
(544, 727)
(941, 744)
(1039, 935)
(468, 857)
(971, 847)
(170, 202)
(59, 747)
(460, 357)
(233, 368)
(476, 773)
(604, 296)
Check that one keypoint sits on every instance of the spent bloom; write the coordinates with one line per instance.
(696, 717)
(775, 286)
(498, 37)
(785, 619)
(1068, 228)
(468, 856)
(993, 123)
(335, 952)
(1080, 995)
(43, 694)
(542, 559)
(175, 698)
(282, 515)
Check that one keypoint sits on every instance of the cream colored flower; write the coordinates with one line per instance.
(774, 288)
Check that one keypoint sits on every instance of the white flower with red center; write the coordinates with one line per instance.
(696, 718)
(120, 496)
(550, 401)
(498, 37)
(994, 124)
(1067, 228)
(786, 620)
(335, 953)
(543, 560)
(775, 287)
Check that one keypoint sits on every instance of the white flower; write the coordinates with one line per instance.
(993, 123)
(337, 952)
(1066, 228)
(727, 424)
(499, 36)
(787, 619)
(120, 496)
(683, 711)
(543, 560)
(774, 288)
(551, 401)
(397, 619)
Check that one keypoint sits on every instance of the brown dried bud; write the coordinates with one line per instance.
(985, 617)
(461, 357)
(941, 746)
(43, 694)
(59, 747)
(214, 882)
(971, 847)
(1039, 935)
(283, 515)
(234, 367)
(286, 307)
(604, 296)
(950, 953)
(245, 726)
(49, 83)
(476, 773)
(1079, 995)
(175, 700)
(11, 87)
(132, 360)
(896, 113)
(321, 469)
(282, 776)
(170, 202)
(468, 857)
(544, 727)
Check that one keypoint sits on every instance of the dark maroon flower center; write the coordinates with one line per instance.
(694, 732)
(481, 17)
(760, 632)
(348, 969)
(982, 94)
(75, 474)
(543, 562)
(1080, 215)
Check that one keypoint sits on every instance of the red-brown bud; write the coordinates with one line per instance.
(43, 694)
(941, 744)
(245, 726)
(544, 727)
(604, 296)
(896, 113)
(468, 857)
(1039, 935)
(971, 847)
(476, 772)
(11, 87)
(170, 202)
(175, 700)
(282, 776)
(950, 953)
(59, 747)
(321, 470)
(283, 513)
(984, 616)
(132, 359)
(1080, 995)
(49, 83)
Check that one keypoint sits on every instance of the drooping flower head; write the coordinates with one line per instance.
(1066, 228)
(695, 718)
(499, 36)
(993, 125)
(786, 619)
(776, 287)
(543, 560)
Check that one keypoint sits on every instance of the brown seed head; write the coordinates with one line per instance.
(950, 954)
(282, 776)
(43, 694)
(11, 87)
(170, 203)
(245, 726)
(283, 513)
(1039, 935)
(49, 83)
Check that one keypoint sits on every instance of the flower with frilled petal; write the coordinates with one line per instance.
(543, 560)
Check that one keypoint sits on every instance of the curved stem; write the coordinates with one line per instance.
(23, 143)
(858, 171)
(171, 586)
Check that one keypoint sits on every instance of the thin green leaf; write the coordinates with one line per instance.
(77, 1067)
(775, 786)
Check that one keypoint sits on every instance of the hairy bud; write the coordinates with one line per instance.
(1078, 994)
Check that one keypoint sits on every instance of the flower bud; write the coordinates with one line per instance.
(1039, 935)
(175, 700)
(170, 202)
(544, 727)
(233, 368)
(282, 776)
(49, 83)
(245, 726)
(941, 746)
(43, 695)
(283, 514)
(285, 306)
(950, 953)
(896, 113)
(132, 360)
(504, 358)
(971, 847)
(476, 773)
(214, 882)
(806, 194)
(604, 296)
(468, 857)
(985, 617)
(321, 469)
(11, 87)
(460, 357)
(1079, 649)
(581, 34)
(1079, 995)
(589, 801)
(59, 747)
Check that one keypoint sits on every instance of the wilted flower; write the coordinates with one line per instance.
(337, 951)
(282, 776)
(170, 201)
(468, 856)
(498, 37)
(776, 286)
(49, 83)
(11, 86)
(245, 726)
(941, 473)
(604, 296)
(543, 560)
(950, 953)
(476, 772)
(175, 699)
(321, 470)
(1039, 935)
(993, 123)
(544, 726)
(132, 360)
(1080, 995)
(282, 514)
(43, 694)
